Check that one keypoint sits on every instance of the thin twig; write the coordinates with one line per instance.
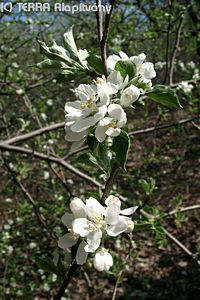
(99, 20)
(61, 180)
(183, 209)
(34, 133)
(177, 42)
(168, 43)
(26, 193)
(66, 281)
(47, 158)
(110, 181)
(116, 285)
(147, 130)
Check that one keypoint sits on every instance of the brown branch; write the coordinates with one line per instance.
(99, 20)
(34, 133)
(47, 158)
(26, 193)
(177, 42)
(147, 130)
(66, 281)
(168, 43)
(61, 180)
(183, 209)
(103, 38)
(110, 181)
(116, 285)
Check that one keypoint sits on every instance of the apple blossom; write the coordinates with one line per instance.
(111, 125)
(103, 260)
(129, 95)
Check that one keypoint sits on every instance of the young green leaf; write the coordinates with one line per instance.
(121, 145)
(164, 95)
(70, 44)
(95, 63)
(126, 67)
(51, 64)
(47, 265)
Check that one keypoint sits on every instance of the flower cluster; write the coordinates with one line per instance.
(100, 105)
(89, 223)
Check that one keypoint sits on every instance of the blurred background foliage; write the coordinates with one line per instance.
(168, 159)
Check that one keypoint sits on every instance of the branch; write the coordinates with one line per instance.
(110, 181)
(27, 194)
(167, 46)
(103, 38)
(66, 281)
(178, 36)
(183, 209)
(155, 128)
(34, 133)
(61, 180)
(47, 158)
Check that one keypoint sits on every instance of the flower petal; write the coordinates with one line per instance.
(100, 133)
(129, 211)
(118, 227)
(81, 255)
(78, 208)
(67, 219)
(94, 208)
(93, 241)
(81, 226)
(67, 241)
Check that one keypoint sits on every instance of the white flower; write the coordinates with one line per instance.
(103, 260)
(116, 78)
(32, 245)
(111, 126)
(80, 116)
(118, 223)
(147, 71)
(185, 86)
(43, 116)
(105, 88)
(113, 59)
(129, 95)
(71, 238)
(90, 229)
(46, 175)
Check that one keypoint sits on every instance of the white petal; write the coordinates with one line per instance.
(81, 226)
(93, 241)
(123, 55)
(74, 136)
(112, 199)
(78, 208)
(67, 219)
(112, 60)
(119, 227)
(67, 241)
(115, 77)
(129, 211)
(81, 255)
(102, 261)
(94, 208)
(100, 133)
(76, 145)
(73, 109)
(112, 214)
(129, 95)
(116, 111)
(113, 131)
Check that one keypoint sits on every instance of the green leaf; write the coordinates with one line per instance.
(67, 75)
(95, 63)
(70, 44)
(121, 145)
(164, 95)
(47, 265)
(54, 52)
(51, 64)
(92, 142)
(126, 67)
(88, 159)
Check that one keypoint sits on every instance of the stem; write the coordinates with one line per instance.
(110, 181)
(66, 281)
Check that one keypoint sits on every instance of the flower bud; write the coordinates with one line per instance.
(129, 95)
(103, 260)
